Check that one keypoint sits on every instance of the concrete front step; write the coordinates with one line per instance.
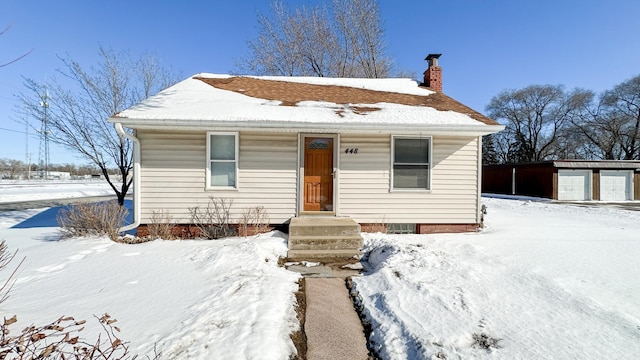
(325, 242)
(324, 237)
(321, 254)
(323, 226)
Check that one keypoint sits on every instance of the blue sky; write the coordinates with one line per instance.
(487, 46)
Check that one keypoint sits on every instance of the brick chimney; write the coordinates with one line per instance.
(433, 74)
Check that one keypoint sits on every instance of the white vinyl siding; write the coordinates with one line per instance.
(574, 185)
(174, 174)
(365, 192)
(174, 178)
(616, 185)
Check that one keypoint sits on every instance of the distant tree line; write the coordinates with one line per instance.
(547, 122)
(15, 169)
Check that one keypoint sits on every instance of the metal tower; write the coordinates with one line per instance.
(44, 137)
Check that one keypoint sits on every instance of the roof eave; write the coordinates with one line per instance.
(289, 126)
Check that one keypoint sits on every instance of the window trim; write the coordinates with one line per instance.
(208, 160)
(392, 187)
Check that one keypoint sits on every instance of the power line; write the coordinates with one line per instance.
(19, 132)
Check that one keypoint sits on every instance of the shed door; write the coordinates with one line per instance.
(615, 185)
(318, 174)
(574, 184)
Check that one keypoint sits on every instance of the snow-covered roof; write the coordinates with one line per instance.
(215, 101)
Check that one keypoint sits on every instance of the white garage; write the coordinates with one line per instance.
(616, 185)
(574, 184)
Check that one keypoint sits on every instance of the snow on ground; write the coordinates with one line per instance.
(224, 299)
(550, 281)
(13, 191)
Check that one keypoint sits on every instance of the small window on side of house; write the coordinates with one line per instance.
(222, 160)
(401, 228)
(411, 163)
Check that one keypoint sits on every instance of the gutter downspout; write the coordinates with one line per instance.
(479, 209)
(136, 177)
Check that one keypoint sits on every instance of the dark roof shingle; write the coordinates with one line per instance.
(291, 93)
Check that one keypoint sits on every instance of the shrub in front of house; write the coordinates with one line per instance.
(213, 220)
(98, 218)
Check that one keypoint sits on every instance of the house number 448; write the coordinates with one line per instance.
(351, 151)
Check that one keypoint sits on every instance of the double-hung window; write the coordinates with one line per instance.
(411, 163)
(222, 162)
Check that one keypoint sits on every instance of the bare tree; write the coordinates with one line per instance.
(534, 117)
(622, 108)
(19, 57)
(598, 132)
(611, 125)
(361, 35)
(279, 47)
(76, 116)
(343, 41)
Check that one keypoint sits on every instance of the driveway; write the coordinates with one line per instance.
(37, 204)
(626, 205)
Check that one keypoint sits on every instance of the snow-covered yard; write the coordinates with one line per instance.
(548, 280)
(225, 299)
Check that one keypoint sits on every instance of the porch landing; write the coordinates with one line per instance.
(323, 237)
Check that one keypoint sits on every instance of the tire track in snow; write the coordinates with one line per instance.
(46, 271)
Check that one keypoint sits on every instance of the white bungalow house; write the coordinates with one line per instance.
(390, 151)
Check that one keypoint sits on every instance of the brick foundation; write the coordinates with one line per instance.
(446, 228)
(424, 228)
(373, 228)
(190, 231)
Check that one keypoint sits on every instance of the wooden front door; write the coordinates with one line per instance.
(318, 174)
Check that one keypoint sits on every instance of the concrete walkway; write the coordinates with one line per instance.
(333, 328)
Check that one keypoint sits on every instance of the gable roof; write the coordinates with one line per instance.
(210, 100)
